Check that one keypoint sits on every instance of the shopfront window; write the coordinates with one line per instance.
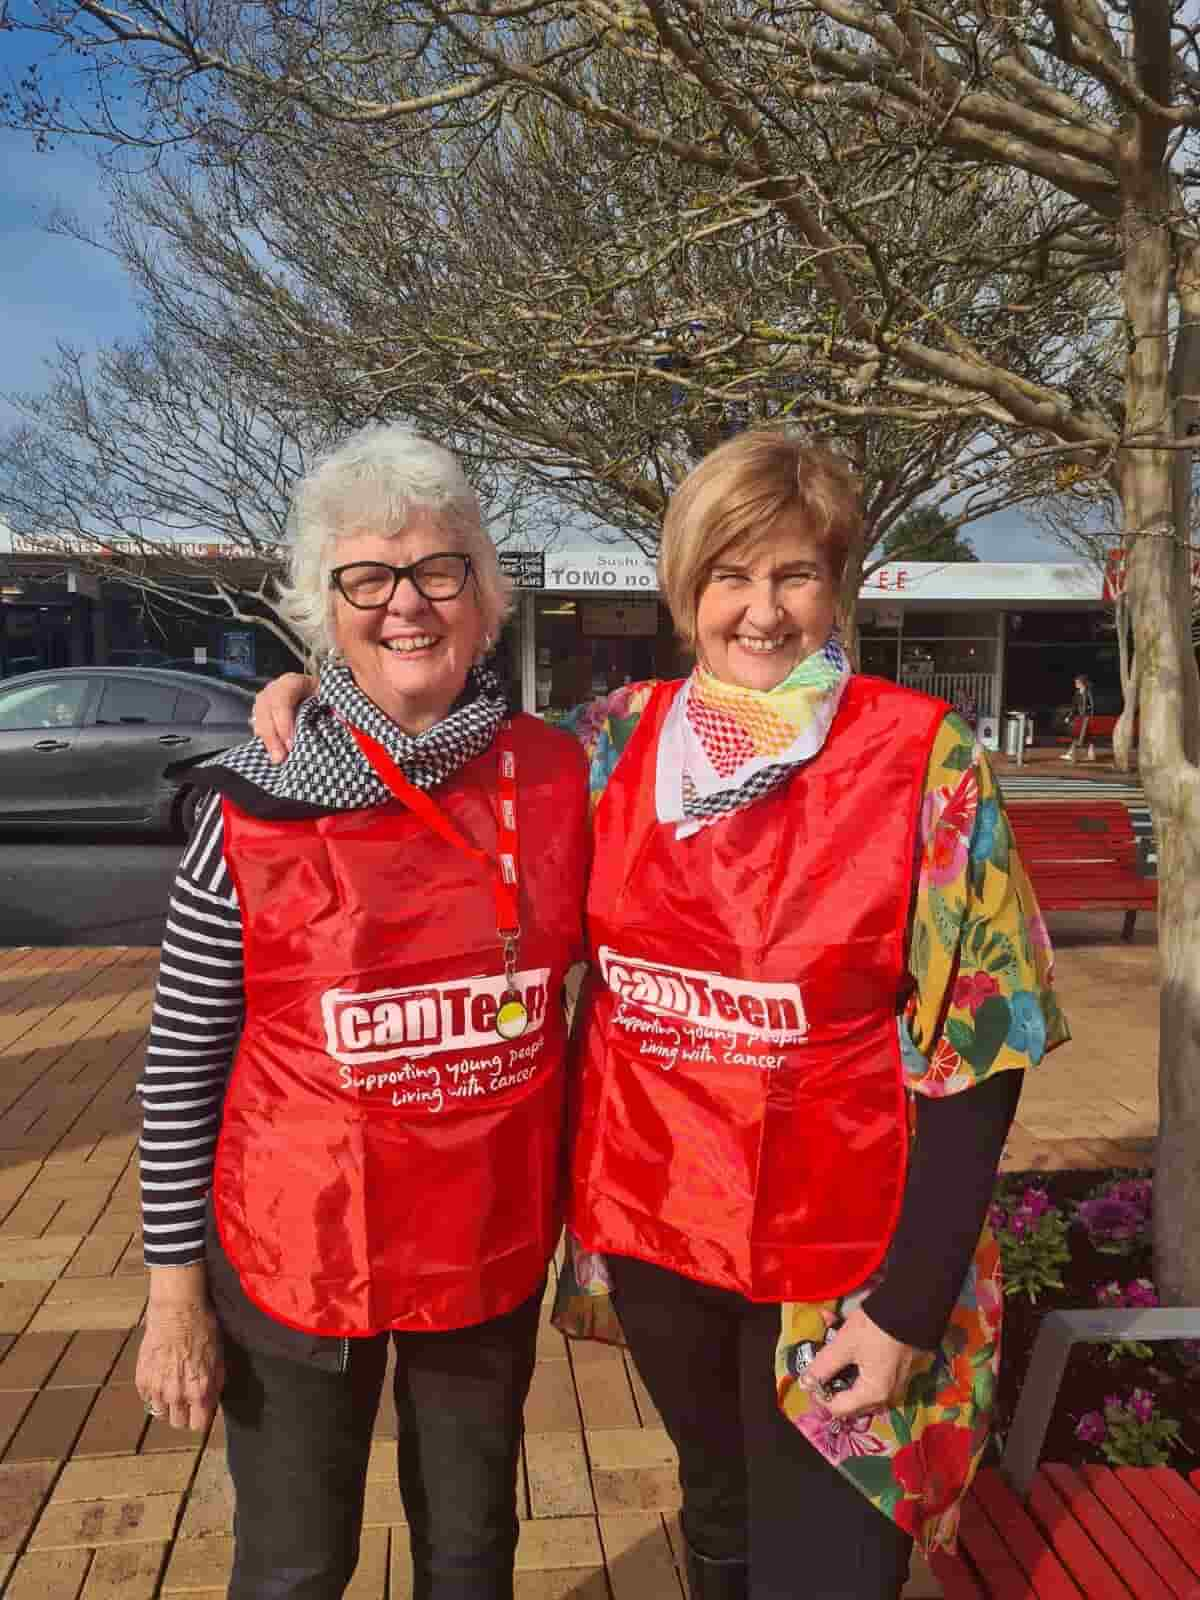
(33, 637)
(586, 646)
(927, 649)
(879, 654)
(930, 657)
(958, 666)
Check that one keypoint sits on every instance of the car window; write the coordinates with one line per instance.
(129, 700)
(190, 707)
(55, 704)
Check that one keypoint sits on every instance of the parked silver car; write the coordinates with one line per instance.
(111, 746)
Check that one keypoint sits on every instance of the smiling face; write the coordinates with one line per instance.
(765, 607)
(412, 656)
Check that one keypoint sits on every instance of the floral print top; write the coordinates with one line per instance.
(983, 1002)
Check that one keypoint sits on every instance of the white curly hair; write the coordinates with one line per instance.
(380, 478)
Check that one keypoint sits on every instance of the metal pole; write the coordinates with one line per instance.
(528, 647)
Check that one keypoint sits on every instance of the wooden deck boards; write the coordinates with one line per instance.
(96, 1499)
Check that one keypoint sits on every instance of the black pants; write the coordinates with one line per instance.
(753, 1486)
(299, 1438)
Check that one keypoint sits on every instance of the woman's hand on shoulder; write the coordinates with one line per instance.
(275, 707)
(884, 1367)
(180, 1368)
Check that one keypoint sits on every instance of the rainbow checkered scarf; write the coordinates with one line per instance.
(723, 747)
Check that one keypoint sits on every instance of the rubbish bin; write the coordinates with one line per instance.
(1014, 734)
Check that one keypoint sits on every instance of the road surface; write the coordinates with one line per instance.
(84, 888)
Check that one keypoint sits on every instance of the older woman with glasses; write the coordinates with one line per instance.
(353, 1092)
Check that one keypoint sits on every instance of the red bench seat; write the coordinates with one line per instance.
(1101, 1533)
(1083, 855)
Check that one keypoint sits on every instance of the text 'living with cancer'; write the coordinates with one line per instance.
(429, 1087)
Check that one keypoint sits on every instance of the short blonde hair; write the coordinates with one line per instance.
(379, 479)
(737, 496)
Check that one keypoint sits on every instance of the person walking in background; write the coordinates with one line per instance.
(387, 917)
(1082, 711)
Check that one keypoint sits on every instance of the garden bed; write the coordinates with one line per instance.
(1137, 1406)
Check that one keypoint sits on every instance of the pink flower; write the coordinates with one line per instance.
(1110, 1219)
(947, 819)
(1109, 1294)
(1091, 1428)
(1141, 1292)
(1141, 1403)
(837, 1439)
(1134, 1191)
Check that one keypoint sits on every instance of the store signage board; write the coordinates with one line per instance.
(110, 545)
(618, 619)
(526, 568)
(618, 571)
(614, 571)
(1002, 582)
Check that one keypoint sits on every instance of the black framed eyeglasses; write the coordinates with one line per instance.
(369, 584)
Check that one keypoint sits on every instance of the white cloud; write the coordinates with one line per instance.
(1011, 536)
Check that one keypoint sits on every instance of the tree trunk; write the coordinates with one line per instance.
(1177, 1170)
(1185, 379)
(1176, 796)
(1126, 728)
(1164, 665)
(1121, 620)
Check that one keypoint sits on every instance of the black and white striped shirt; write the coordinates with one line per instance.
(193, 1035)
(200, 1000)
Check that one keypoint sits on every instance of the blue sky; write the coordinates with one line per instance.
(53, 289)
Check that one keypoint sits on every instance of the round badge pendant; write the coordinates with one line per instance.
(512, 1018)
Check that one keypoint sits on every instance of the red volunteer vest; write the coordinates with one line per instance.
(386, 1159)
(740, 1115)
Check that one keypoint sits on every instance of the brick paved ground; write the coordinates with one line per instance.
(97, 1501)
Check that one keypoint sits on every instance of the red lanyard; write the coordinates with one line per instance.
(506, 879)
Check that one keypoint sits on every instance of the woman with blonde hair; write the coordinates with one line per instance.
(817, 972)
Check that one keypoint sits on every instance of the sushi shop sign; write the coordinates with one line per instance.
(613, 571)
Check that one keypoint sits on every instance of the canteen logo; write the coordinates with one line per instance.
(770, 1012)
(425, 1020)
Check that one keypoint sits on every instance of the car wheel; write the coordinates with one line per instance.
(186, 808)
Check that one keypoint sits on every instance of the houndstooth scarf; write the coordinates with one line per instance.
(723, 747)
(326, 768)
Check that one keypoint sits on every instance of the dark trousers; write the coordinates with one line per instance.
(753, 1487)
(298, 1441)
